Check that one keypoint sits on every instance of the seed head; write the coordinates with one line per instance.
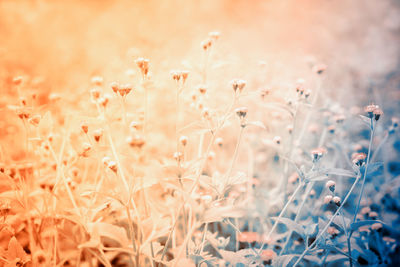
(206, 44)
(370, 110)
(178, 156)
(176, 75)
(97, 80)
(241, 112)
(277, 140)
(307, 93)
(328, 199)
(317, 153)
(377, 113)
(183, 140)
(84, 127)
(376, 226)
(289, 128)
(238, 84)
(135, 141)
(331, 129)
(125, 89)
(337, 200)
(332, 231)
(202, 89)
(97, 134)
(358, 159)
(214, 35)
(219, 141)
(331, 185)
(185, 74)
(18, 80)
(115, 87)
(112, 165)
(319, 69)
(35, 120)
(143, 65)
(95, 94)
(205, 113)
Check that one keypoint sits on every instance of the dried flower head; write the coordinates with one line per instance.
(370, 110)
(358, 159)
(319, 69)
(331, 185)
(115, 87)
(97, 80)
(377, 113)
(135, 141)
(112, 165)
(219, 141)
(183, 140)
(376, 226)
(214, 35)
(143, 65)
(125, 89)
(185, 75)
(241, 112)
(206, 44)
(332, 231)
(238, 85)
(178, 156)
(365, 210)
(202, 89)
(268, 255)
(337, 200)
(277, 140)
(97, 134)
(328, 199)
(18, 80)
(176, 75)
(95, 94)
(84, 127)
(317, 153)
(35, 120)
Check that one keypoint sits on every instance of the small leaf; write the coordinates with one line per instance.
(366, 120)
(340, 172)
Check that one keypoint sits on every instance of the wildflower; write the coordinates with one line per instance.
(337, 200)
(84, 127)
(35, 120)
(376, 226)
(268, 255)
(206, 44)
(115, 87)
(143, 65)
(106, 161)
(319, 69)
(176, 75)
(97, 80)
(95, 94)
(104, 100)
(373, 215)
(135, 141)
(241, 112)
(358, 159)
(205, 113)
(332, 231)
(293, 178)
(277, 140)
(183, 140)
(125, 89)
(317, 153)
(97, 134)
(178, 156)
(202, 89)
(211, 155)
(312, 193)
(328, 199)
(307, 93)
(136, 126)
(377, 113)
(18, 80)
(185, 74)
(331, 129)
(23, 101)
(370, 110)
(289, 128)
(215, 35)
(219, 141)
(238, 84)
(112, 165)
(365, 210)
(331, 185)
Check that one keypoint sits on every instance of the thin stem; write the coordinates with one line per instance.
(348, 238)
(280, 215)
(329, 222)
(366, 170)
(235, 155)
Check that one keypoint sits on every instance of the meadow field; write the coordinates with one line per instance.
(199, 133)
